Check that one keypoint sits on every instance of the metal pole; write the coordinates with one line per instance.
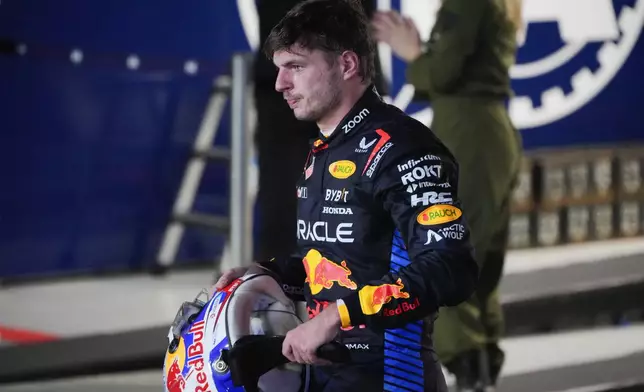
(239, 163)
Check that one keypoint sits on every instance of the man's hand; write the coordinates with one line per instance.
(399, 32)
(229, 276)
(301, 343)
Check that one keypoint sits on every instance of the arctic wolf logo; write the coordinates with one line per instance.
(570, 51)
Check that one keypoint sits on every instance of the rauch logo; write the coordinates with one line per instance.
(438, 214)
(342, 169)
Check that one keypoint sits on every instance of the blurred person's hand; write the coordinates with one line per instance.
(399, 32)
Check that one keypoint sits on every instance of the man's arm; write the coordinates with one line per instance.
(289, 271)
(432, 259)
(452, 40)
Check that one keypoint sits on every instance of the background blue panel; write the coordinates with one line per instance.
(165, 30)
(90, 162)
(92, 154)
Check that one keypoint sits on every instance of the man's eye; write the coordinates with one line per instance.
(296, 67)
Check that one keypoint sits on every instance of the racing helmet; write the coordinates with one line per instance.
(206, 329)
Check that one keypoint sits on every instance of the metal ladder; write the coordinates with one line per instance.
(236, 226)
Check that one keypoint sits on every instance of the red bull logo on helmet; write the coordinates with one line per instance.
(373, 298)
(322, 273)
(187, 368)
(196, 358)
(174, 363)
(193, 357)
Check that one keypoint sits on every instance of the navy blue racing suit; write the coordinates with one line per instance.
(380, 231)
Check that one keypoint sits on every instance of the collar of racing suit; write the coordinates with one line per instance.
(351, 122)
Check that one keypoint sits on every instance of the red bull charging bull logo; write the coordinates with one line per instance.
(174, 364)
(322, 273)
(372, 298)
(193, 357)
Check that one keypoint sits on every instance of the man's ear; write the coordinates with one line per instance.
(350, 63)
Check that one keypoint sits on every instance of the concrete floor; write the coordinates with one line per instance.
(90, 306)
(551, 353)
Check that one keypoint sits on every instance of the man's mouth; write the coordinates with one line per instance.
(291, 102)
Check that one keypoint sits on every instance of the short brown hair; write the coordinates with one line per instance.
(329, 25)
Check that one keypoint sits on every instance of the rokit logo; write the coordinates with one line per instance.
(422, 172)
(574, 58)
(357, 119)
(431, 197)
(319, 232)
(302, 192)
(336, 195)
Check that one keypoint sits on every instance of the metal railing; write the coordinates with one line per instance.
(237, 226)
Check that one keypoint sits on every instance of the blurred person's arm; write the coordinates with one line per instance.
(438, 67)
(453, 39)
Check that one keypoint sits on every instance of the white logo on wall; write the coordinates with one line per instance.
(580, 22)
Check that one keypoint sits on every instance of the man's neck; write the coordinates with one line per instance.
(347, 102)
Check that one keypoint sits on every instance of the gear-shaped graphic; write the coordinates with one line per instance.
(585, 83)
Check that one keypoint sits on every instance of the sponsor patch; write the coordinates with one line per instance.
(438, 214)
(357, 119)
(431, 197)
(336, 195)
(430, 172)
(342, 169)
(337, 210)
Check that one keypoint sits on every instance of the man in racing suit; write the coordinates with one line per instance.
(381, 241)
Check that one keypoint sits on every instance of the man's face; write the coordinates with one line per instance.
(309, 82)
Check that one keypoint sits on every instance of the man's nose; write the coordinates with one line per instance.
(282, 82)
